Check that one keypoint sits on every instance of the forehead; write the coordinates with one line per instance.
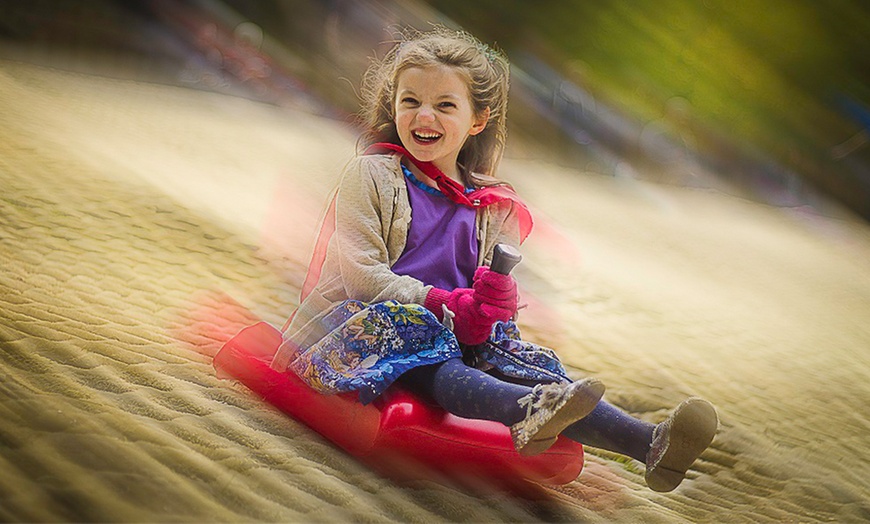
(439, 80)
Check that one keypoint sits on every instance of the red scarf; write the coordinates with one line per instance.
(453, 190)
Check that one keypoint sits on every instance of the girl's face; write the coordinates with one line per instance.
(434, 115)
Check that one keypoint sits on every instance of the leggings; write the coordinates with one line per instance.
(470, 393)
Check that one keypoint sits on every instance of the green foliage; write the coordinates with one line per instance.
(763, 74)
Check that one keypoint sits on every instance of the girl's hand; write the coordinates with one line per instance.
(495, 289)
(474, 318)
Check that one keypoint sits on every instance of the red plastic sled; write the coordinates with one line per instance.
(398, 432)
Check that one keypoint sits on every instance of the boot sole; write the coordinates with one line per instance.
(575, 408)
(694, 425)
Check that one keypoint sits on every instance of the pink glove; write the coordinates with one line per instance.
(495, 289)
(474, 318)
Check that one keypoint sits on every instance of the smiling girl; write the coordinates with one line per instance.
(402, 291)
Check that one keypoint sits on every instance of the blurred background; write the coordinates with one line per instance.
(764, 100)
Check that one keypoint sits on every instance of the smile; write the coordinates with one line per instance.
(426, 137)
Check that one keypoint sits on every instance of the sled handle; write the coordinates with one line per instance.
(504, 258)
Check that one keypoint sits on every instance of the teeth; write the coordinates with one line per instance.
(427, 136)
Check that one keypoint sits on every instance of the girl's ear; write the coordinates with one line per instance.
(479, 123)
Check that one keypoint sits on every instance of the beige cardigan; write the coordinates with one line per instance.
(372, 217)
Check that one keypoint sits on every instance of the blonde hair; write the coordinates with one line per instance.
(486, 71)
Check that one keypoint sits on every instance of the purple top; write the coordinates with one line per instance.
(442, 239)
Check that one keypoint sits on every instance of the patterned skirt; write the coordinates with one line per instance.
(369, 346)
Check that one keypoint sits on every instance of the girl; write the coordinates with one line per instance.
(402, 291)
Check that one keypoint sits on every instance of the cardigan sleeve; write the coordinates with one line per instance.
(365, 218)
(502, 227)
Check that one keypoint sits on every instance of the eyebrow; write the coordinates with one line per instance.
(451, 95)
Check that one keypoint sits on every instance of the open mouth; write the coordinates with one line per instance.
(426, 137)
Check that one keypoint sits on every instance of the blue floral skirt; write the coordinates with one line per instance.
(369, 346)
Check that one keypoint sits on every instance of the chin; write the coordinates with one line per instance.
(425, 155)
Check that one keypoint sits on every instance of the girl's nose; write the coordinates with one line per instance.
(425, 114)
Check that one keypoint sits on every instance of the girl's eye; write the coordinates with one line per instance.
(409, 101)
(447, 105)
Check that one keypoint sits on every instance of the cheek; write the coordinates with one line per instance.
(402, 118)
